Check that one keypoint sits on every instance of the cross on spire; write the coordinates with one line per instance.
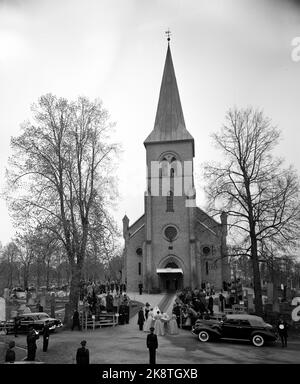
(168, 33)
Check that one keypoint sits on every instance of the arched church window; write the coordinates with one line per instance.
(164, 167)
(171, 233)
(206, 267)
(170, 202)
(168, 166)
(173, 163)
(171, 265)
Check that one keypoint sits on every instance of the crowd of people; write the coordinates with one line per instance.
(98, 287)
(97, 298)
(161, 323)
(191, 305)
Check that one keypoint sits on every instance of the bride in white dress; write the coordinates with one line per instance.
(159, 327)
(150, 321)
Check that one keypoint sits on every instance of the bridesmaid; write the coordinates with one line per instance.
(150, 321)
(159, 327)
(172, 326)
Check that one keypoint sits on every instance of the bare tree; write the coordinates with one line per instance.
(27, 254)
(260, 196)
(60, 176)
(9, 259)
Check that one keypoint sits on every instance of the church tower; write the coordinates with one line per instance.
(169, 200)
(174, 244)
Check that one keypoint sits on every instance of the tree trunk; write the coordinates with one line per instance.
(256, 278)
(25, 276)
(38, 277)
(47, 274)
(74, 293)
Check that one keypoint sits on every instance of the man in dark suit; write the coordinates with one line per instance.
(17, 323)
(282, 331)
(141, 288)
(76, 322)
(211, 305)
(83, 354)
(46, 335)
(141, 318)
(10, 356)
(152, 345)
(147, 309)
(31, 344)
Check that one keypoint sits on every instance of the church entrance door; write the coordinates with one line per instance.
(170, 282)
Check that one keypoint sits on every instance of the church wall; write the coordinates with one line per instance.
(160, 246)
(133, 277)
(214, 267)
(161, 218)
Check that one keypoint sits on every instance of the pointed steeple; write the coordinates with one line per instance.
(169, 122)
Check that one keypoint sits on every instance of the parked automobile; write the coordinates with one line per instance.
(37, 320)
(18, 293)
(236, 326)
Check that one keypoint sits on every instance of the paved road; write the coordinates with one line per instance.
(126, 344)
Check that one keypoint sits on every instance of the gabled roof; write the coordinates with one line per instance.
(201, 212)
(169, 122)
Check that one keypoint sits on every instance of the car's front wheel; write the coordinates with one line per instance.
(258, 340)
(203, 336)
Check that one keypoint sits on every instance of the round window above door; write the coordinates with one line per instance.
(170, 233)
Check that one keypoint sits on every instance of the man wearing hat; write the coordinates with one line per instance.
(10, 356)
(32, 336)
(147, 309)
(152, 345)
(141, 318)
(46, 335)
(83, 354)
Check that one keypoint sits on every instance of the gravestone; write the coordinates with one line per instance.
(2, 309)
(251, 306)
(6, 293)
(43, 301)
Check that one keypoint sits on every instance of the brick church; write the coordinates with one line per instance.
(174, 244)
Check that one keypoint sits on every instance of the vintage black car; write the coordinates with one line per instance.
(236, 326)
(37, 320)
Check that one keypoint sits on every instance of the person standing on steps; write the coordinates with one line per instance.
(141, 288)
(152, 345)
(147, 309)
(211, 305)
(141, 318)
(221, 302)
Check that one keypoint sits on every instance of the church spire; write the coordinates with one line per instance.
(169, 122)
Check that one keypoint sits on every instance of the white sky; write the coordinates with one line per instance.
(225, 53)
